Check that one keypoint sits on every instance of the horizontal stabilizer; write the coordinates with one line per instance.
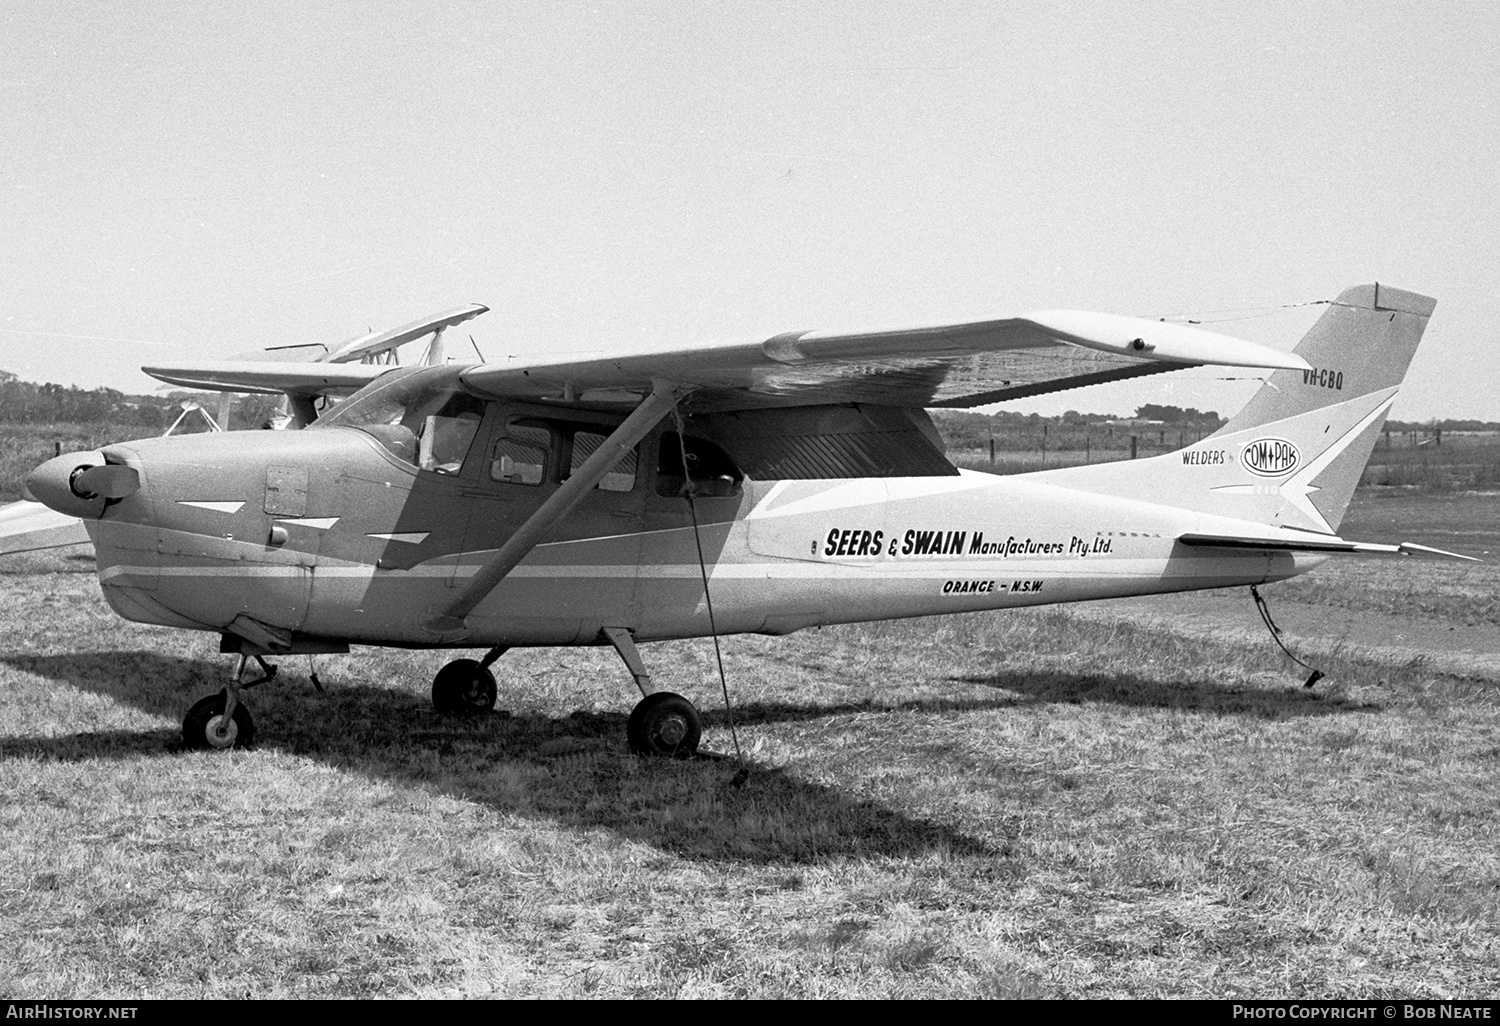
(1316, 543)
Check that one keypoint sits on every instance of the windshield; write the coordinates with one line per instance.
(421, 415)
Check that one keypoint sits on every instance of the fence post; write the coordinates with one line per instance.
(1133, 440)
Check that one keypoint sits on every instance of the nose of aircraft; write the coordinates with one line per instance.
(79, 483)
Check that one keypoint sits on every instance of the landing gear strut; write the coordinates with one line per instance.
(662, 722)
(222, 721)
(466, 686)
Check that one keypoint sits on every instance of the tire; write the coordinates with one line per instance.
(465, 687)
(201, 726)
(664, 724)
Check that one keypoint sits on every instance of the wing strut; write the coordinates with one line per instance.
(450, 620)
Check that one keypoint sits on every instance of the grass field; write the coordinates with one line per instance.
(1034, 804)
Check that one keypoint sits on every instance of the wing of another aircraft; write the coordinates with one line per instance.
(270, 376)
(28, 526)
(347, 368)
(969, 364)
(367, 347)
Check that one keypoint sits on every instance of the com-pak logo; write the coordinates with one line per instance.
(1270, 457)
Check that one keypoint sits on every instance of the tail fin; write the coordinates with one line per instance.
(1294, 454)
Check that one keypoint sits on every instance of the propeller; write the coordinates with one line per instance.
(110, 480)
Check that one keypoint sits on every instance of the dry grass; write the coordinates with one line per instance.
(1021, 805)
(1467, 596)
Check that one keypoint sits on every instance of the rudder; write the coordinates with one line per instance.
(1362, 344)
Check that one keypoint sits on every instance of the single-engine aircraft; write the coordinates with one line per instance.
(761, 487)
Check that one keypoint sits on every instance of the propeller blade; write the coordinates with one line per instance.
(110, 481)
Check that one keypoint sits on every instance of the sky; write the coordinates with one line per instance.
(186, 181)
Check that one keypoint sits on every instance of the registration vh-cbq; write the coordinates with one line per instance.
(765, 486)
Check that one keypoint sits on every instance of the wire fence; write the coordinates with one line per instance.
(1422, 458)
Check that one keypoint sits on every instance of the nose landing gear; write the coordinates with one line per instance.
(222, 721)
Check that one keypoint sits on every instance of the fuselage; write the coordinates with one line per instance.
(332, 534)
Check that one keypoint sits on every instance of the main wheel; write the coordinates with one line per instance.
(204, 725)
(463, 686)
(664, 724)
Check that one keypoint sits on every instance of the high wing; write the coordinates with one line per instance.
(962, 365)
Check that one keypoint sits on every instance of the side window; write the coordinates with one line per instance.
(619, 478)
(447, 435)
(708, 468)
(521, 456)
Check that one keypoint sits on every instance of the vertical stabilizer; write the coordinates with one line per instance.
(1294, 454)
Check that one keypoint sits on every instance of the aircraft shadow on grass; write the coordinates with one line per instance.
(590, 781)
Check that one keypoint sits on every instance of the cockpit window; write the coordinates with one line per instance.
(422, 417)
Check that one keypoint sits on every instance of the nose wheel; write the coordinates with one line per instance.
(222, 721)
(205, 727)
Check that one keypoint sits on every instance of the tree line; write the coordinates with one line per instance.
(25, 402)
